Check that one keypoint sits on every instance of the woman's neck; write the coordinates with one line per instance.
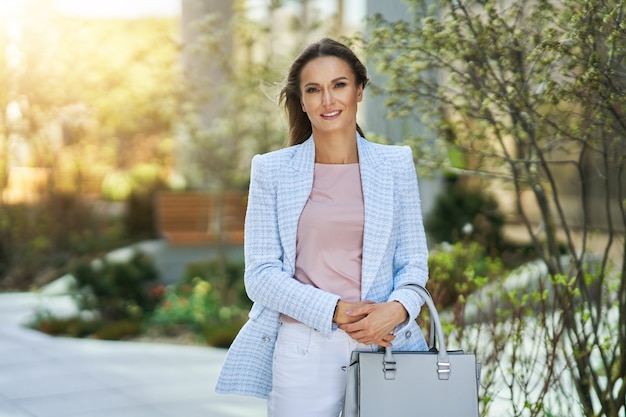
(336, 150)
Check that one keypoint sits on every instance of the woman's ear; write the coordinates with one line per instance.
(359, 93)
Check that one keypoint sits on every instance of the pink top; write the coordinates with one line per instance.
(329, 244)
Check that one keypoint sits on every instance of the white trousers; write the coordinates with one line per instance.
(309, 377)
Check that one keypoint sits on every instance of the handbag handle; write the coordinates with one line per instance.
(432, 333)
(443, 361)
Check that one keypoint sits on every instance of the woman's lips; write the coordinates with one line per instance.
(331, 115)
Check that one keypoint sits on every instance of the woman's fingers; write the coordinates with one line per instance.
(348, 312)
(377, 323)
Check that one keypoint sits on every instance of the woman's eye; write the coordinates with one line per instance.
(311, 90)
(340, 85)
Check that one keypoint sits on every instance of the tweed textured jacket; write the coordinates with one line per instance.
(394, 253)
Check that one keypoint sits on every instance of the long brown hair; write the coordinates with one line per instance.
(299, 124)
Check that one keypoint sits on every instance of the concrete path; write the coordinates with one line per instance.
(43, 376)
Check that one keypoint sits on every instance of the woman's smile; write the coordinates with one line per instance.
(331, 115)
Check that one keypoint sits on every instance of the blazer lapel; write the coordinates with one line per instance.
(294, 188)
(377, 184)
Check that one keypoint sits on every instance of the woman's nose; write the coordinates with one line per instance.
(327, 98)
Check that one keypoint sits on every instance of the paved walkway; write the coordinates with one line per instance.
(43, 376)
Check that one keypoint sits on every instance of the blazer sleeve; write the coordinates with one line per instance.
(266, 279)
(410, 263)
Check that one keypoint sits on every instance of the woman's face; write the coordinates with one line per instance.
(330, 95)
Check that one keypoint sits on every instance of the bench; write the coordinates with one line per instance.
(200, 218)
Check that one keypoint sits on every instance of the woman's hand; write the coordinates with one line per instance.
(375, 323)
(344, 307)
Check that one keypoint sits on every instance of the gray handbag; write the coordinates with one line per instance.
(407, 384)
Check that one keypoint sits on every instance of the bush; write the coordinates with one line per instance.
(118, 330)
(457, 270)
(221, 335)
(210, 302)
(113, 299)
(117, 290)
(71, 327)
(80, 327)
(461, 212)
(117, 300)
(225, 277)
(38, 241)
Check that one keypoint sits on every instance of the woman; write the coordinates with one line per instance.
(333, 228)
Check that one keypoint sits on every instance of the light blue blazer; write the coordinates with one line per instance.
(394, 253)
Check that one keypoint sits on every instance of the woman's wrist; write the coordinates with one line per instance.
(403, 314)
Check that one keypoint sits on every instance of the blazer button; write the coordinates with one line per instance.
(266, 339)
(408, 334)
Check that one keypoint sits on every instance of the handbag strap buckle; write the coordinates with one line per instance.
(389, 365)
(443, 370)
(389, 369)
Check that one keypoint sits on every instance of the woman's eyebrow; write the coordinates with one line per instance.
(311, 83)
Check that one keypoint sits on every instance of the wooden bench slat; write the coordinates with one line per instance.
(189, 218)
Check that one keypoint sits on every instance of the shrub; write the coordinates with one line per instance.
(458, 270)
(80, 327)
(118, 330)
(117, 290)
(66, 326)
(225, 277)
(38, 241)
(461, 212)
(221, 335)
(210, 301)
(186, 305)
